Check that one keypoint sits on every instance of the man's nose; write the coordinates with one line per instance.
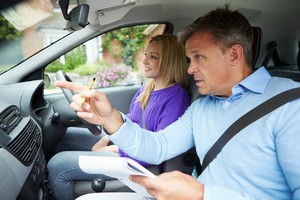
(191, 68)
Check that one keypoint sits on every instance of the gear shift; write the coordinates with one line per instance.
(98, 185)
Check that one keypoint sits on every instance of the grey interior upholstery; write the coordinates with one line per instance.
(295, 75)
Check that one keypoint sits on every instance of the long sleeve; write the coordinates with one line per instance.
(260, 162)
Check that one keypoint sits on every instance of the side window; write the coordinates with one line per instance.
(114, 58)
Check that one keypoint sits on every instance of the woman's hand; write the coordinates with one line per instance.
(102, 145)
(103, 142)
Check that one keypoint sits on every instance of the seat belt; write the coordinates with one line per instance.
(272, 53)
(254, 114)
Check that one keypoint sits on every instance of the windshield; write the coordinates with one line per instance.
(27, 28)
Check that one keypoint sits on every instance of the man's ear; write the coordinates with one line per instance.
(236, 54)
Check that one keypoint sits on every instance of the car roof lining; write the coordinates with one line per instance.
(251, 9)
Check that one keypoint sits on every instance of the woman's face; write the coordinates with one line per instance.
(151, 61)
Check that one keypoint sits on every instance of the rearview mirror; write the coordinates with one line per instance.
(77, 18)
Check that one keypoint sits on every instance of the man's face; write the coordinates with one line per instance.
(209, 65)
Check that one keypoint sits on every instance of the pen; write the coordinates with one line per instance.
(89, 88)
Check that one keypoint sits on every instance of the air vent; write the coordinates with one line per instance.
(26, 144)
(9, 119)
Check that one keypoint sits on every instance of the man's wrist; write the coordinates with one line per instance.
(114, 123)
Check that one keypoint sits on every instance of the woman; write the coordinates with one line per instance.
(162, 101)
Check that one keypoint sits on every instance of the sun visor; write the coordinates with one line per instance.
(114, 10)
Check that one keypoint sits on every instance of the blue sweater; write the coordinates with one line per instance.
(261, 162)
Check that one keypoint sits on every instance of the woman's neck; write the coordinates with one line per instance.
(158, 85)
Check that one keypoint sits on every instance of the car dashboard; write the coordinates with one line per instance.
(22, 161)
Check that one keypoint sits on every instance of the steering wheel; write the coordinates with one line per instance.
(62, 76)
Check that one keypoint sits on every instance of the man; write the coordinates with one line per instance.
(261, 162)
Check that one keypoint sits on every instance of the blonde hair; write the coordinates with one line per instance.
(172, 65)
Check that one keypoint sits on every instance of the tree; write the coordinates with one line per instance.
(7, 31)
(130, 38)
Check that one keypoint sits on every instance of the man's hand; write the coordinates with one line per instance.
(97, 109)
(172, 186)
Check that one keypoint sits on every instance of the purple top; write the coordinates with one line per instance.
(163, 108)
